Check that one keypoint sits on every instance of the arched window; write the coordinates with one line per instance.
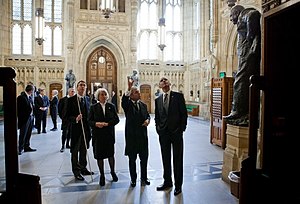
(53, 27)
(22, 28)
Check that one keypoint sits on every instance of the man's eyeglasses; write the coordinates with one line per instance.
(163, 79)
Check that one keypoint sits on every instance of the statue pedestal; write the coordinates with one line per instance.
(236, 149)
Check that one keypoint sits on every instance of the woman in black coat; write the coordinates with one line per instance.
(102, 118)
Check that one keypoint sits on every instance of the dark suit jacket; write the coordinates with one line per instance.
(53, 106)
(62, 109)
(76, 128)
(24, 109)
(40, 102)
(177, 113)
(136, 135)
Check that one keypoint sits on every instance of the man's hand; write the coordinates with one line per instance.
(130, 83)
(146, 123)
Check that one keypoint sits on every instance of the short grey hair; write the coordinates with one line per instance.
(55, 91)
(97, 93)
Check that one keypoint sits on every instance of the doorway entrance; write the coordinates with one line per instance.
(101, 71)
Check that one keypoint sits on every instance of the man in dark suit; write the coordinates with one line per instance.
(25, 119)
(65, 126)
(53, 109)
(170, 121)
(77, 114)
(136, 135)
(41, 104)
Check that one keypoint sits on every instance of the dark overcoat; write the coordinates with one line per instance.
(136, 135)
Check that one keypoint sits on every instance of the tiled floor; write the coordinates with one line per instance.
(202, 171)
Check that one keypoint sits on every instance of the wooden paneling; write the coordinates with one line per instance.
(221, 100)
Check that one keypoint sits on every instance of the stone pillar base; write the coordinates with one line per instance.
(236, 149)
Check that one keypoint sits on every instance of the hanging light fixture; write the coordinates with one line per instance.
(107, 7)
(162, 25)
(39, 25)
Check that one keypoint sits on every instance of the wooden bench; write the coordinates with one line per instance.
(192, 110)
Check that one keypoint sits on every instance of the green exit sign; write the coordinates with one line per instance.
(222, 74)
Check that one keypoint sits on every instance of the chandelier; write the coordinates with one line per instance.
(107, 7)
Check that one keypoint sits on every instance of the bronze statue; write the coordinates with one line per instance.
(135, 78)
(249, 56)
(70, 80)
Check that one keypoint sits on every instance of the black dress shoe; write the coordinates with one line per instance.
(102, 181)
(145, 182)
(28, 149)
(133, 184)
(79, 177)
(114, 176)
(163, 187)
(177, 191)
(44, 131)
(86, 172)
(62, 149)
(53, 129)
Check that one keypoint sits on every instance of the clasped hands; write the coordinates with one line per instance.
(101, 124)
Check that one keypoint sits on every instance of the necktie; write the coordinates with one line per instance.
(136, 106)
(165, 103)
(82, 104)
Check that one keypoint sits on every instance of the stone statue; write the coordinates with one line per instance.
(70, 79)
(135, 78)
(249, 57)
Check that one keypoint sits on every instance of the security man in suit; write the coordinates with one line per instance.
(25, 119)
(78, 107)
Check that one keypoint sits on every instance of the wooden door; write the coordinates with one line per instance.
(58, 87)
(146, 95)
(101, 70)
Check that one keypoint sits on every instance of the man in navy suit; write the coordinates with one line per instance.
(170, 121)
(41, 104)
(78, 107)
(25, 119)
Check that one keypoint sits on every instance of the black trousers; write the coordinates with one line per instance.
(41, 119)
(143, 165)
(169, 142)
(65, 136)
(78, 157)
(25, 134)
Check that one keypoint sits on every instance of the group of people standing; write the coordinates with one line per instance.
(32, 110)
(83, 121)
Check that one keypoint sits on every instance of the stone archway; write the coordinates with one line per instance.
(101, 70)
